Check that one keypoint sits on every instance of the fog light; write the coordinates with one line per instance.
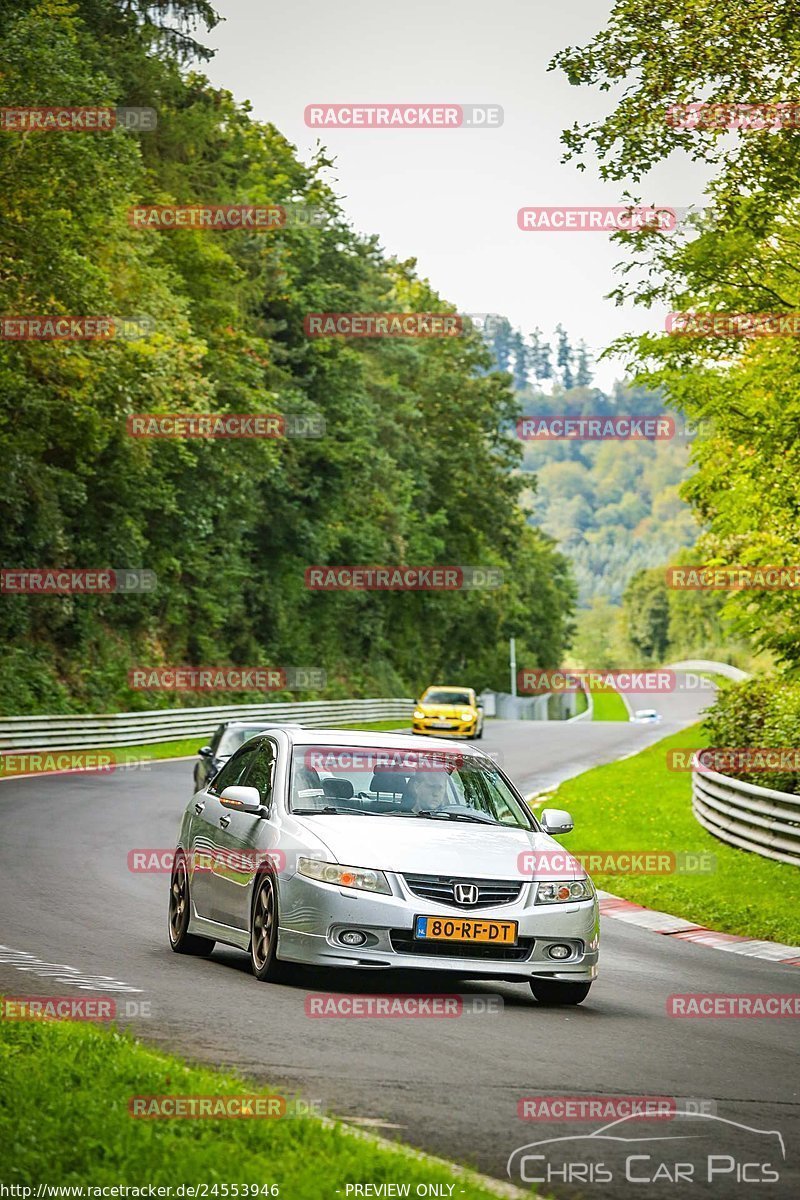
(559, 951)
(352, 937)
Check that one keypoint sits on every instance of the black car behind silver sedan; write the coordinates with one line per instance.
(228, 737)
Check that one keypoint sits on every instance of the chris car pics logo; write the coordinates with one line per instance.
(696, 1147)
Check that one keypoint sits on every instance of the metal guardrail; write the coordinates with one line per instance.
(172, 724)
(588, 712)
(533, 708)
(748, 816)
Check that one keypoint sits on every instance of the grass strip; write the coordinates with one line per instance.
(608, 705)
(64, 1119)
(639, 804)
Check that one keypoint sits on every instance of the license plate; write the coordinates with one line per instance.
(441, 725)
(466, 929)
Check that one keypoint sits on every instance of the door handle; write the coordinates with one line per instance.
(198, 808)
(224, 822)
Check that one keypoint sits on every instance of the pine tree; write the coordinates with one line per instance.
(501, 344)
(521, 365)
(584, 375)
(539, 356)
(564, 357)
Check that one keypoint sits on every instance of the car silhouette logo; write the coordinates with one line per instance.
(615, 1131)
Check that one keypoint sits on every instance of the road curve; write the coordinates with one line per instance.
(449, 1086)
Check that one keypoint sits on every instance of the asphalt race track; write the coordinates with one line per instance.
(449, 1086)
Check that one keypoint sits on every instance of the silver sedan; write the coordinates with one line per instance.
(365, 850)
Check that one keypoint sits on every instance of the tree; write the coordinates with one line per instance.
(583, 375)
(416, 466)
(598, 644)
(645, 607)
(539, 356)
(564, 357)
(740, 257)
(500, 342)
(519, 352)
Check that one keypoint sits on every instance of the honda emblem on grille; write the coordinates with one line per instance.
(465, 893)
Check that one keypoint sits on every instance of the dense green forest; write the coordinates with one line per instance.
(613, 507)
(416, 466)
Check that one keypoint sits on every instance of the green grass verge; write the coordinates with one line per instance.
(64, 1119)
(608, 706)
(638, 804)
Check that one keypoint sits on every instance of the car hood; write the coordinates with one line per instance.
(423, 846)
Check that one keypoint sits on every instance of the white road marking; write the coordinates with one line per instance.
(23, 961)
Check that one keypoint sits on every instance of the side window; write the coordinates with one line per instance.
(234, 770)
(260, 773)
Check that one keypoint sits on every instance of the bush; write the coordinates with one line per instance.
(760, 712)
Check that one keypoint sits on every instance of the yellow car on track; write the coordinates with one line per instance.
(448, 712)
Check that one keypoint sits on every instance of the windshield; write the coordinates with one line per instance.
(442, 697)
(431, 785)
(232, 739)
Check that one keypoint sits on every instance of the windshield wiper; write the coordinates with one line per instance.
(447, 816)
(329, 810)
(475, 818)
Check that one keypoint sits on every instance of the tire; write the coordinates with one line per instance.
(264, 961)
(553, 993)
(479, 732)
(179, 908)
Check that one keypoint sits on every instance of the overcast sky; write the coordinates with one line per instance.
(449, 197)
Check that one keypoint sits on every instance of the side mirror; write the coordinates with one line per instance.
(555, 820)
(205, 752)
(243, 799)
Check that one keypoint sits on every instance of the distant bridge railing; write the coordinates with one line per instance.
(713, 668)
(173, 724)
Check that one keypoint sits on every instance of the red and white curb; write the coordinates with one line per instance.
(690, 931)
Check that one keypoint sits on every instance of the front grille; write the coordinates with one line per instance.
(404, 942)
(491, 892)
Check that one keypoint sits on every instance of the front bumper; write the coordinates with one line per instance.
(455, 729)
(313, 915)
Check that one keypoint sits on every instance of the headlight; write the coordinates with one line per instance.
(565, 891)
(349, 877)
(467, 716)
(418, 714)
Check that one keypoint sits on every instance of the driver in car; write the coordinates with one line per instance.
(427, 793)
